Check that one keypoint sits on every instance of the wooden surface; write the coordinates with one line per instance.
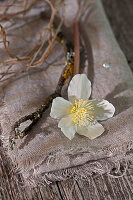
(120, 14)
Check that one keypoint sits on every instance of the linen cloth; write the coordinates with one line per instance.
(46, 155)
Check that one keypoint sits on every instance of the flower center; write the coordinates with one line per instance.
(83, 112)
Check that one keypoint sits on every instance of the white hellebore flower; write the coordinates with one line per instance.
(80, 114)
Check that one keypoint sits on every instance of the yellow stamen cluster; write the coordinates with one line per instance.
(83, 112)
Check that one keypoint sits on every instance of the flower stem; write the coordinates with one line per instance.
(76, 48)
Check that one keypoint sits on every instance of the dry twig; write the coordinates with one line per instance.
(35, 116)
(30, 58)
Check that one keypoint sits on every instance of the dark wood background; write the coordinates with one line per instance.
(120, 14)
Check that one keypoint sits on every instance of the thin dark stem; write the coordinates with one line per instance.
(76, 48)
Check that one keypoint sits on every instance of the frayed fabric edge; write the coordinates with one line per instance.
(110, 167)
(115, 166)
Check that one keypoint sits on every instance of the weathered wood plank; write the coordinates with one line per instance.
(120, 15)
(102, 189)
(88, 189)
(70, 190)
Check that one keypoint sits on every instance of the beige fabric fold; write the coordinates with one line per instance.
(46, 155)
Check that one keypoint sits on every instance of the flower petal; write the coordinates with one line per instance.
(60, 108)
(79, 87)
(67, 127)
(103, 109)
(91, 131)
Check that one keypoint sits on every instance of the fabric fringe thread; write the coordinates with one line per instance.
(115, 166)
(114, 169)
